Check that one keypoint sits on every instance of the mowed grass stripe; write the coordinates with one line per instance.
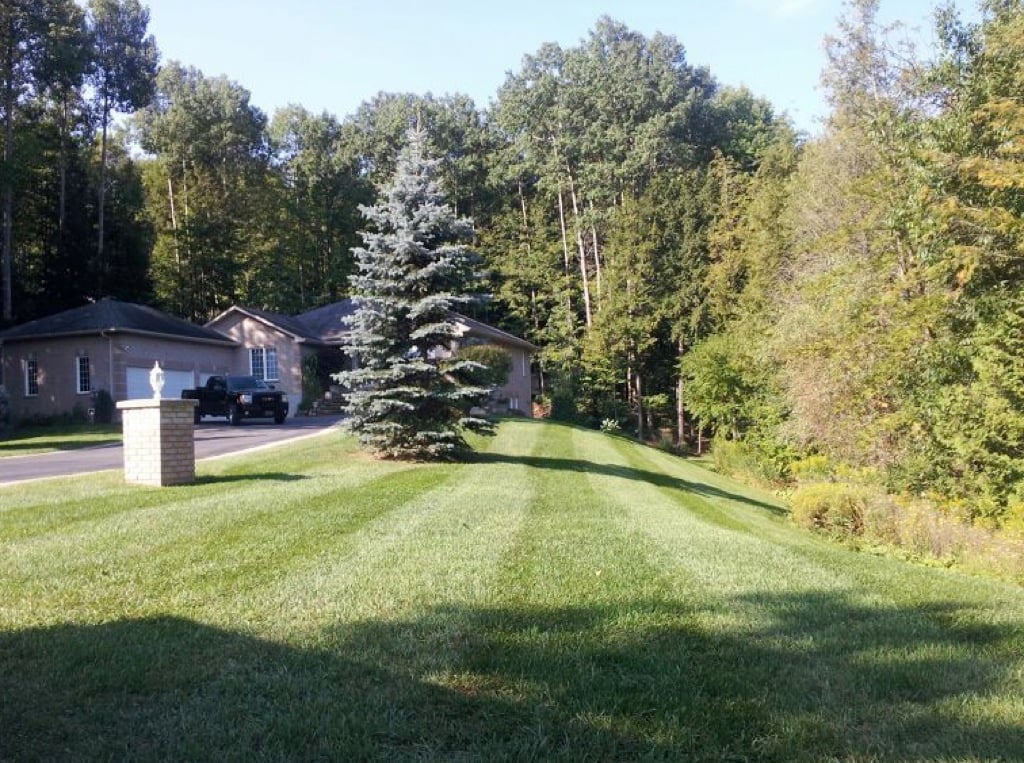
(61, 506)
(845, 659)
(571, 550)
(201, 544)
(698, 535)
(435, 553)
(566, 596)
(584, 635)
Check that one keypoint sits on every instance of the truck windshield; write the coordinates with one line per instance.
(245, 382)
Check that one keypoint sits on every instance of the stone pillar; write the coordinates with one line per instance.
(159, 441)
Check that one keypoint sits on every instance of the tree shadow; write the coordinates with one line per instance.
(56, 444)
(658, 479)
(823, 677)
(216, 479)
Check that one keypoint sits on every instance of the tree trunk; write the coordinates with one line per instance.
(62, 198)
(526, 220)
(565, 254)
(101, 264)
(174, 222)
(7, 252)
(597, 255)
(565, 232)
(640, 433)
(62, 191)
(577, 225)
(680, 408)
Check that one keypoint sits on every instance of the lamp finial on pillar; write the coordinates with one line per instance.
(156, 380)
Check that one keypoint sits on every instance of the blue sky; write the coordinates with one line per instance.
(334, 55)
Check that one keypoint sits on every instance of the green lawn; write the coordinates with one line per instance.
(567, 596)
(35, 440)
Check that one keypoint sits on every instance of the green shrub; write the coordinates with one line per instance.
(5, 418)
(103, 407)
(812, 468)
(563, 407)
(732, 457)
(764, 460)
(835, 508)
(495, 363)
(312, 386)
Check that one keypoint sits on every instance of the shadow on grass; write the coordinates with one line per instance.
(824, 678)
(37, 445)
(301, 423)
(625, 472)
(217, 479)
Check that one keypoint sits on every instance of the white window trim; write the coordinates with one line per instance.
(78, 375)
(263, 352)
(28, 362)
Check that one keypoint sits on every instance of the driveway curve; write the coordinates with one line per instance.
(212, 440)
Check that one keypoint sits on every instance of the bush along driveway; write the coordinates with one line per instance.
(567, 595)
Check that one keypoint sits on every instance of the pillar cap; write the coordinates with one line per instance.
(148, 402)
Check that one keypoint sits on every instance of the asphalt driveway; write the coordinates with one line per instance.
(212, 439)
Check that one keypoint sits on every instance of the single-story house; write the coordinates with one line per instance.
(51, 365)
(283, 343)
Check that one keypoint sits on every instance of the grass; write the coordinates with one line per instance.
(31, 441)
(567, 595)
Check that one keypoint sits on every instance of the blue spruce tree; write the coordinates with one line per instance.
(409, 397)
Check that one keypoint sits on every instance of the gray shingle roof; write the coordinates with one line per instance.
(112, 315)
(489, 332)
(328, 322)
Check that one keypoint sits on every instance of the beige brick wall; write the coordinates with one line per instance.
(252, 333)
(57, 374)
(517, 389)
(109, 356)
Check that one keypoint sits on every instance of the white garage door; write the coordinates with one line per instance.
(174, 383)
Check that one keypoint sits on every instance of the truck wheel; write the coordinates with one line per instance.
(197, 416)
(234, 415)
(279, 417)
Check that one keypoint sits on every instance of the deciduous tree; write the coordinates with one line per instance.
(123, 79)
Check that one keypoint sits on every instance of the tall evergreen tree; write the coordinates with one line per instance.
(408, 399)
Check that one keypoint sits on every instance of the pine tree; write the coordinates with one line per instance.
(408, 398)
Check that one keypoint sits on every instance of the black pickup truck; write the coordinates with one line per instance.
(238, 397)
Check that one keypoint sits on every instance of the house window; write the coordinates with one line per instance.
(31, 377)
(83, 378)
(263, 363)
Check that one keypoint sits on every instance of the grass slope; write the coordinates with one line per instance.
(566, 595)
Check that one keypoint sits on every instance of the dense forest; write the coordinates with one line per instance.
(846, 307)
